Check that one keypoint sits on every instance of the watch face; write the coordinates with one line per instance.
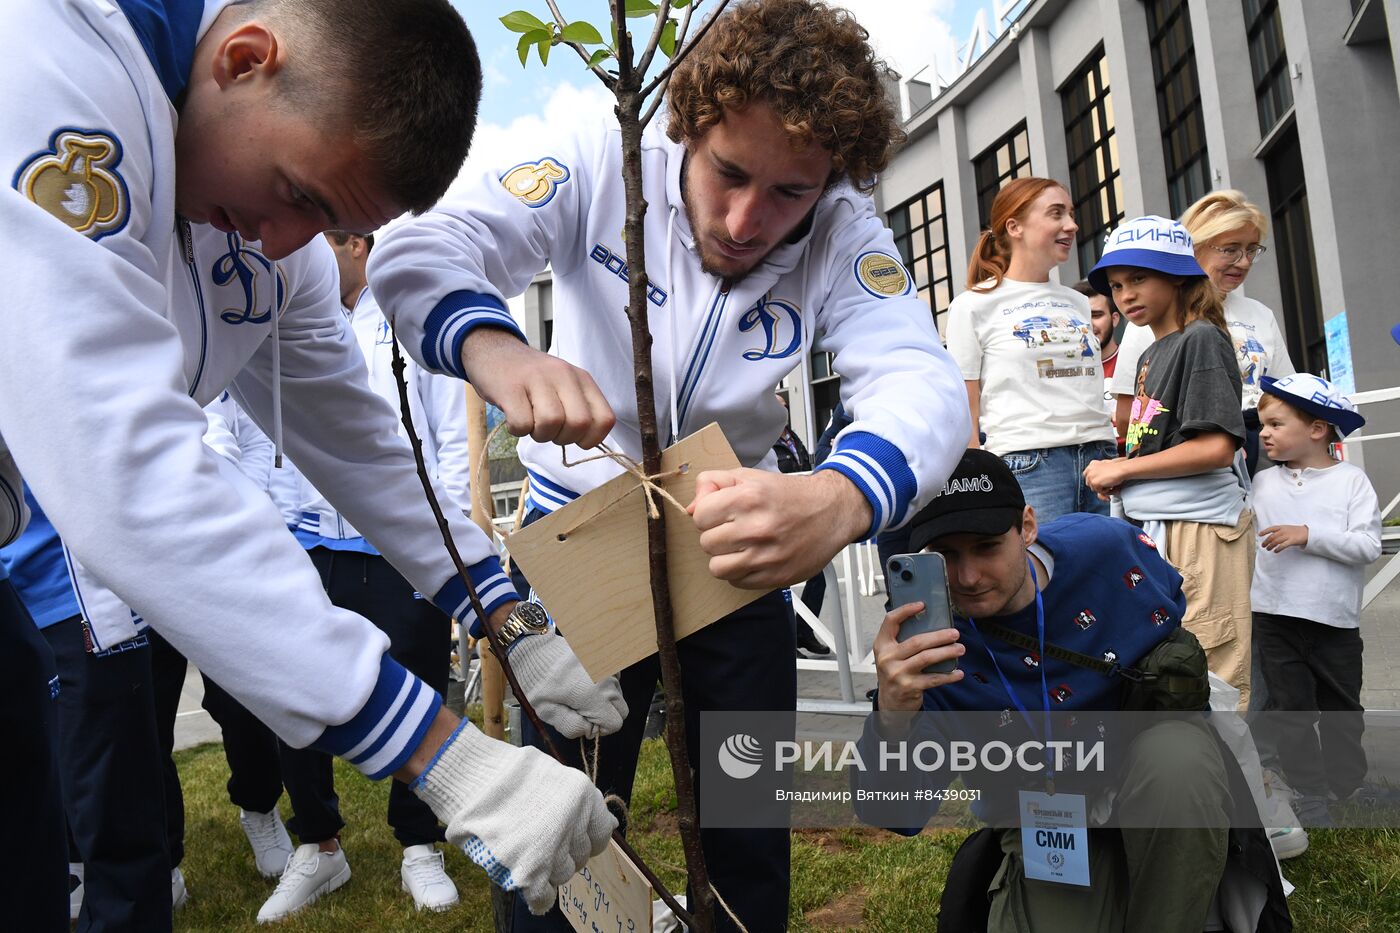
(532, 616)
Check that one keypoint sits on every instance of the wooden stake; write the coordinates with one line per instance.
(493, 681)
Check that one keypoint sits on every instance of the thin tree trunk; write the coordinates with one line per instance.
(629, 105)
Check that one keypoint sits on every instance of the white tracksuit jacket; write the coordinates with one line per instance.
(438, 405)
(717, 354)
(119, 323)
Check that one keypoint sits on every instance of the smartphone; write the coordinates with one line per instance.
(922, 578)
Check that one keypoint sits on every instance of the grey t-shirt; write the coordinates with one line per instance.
(1187, 383)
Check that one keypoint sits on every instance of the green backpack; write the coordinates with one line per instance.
(1171, 678)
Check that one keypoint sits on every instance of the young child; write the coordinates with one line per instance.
(1321, 526)
(1179, 479)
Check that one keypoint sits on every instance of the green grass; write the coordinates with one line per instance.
(842, 879)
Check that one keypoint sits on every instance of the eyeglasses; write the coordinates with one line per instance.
(1236, 253)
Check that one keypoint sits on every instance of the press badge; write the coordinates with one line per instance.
(1055, 838)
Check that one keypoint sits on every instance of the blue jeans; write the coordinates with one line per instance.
(1052, 479)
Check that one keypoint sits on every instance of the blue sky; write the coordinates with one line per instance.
(903, 31)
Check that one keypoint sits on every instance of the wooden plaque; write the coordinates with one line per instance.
(588, 562)
(608, 895)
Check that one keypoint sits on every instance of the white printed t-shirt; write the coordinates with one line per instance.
(1031, 346)
(1260, 348)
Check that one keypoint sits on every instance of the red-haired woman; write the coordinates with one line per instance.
(1028, 353)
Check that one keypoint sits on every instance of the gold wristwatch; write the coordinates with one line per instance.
(524, 619)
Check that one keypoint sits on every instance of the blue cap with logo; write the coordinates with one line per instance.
(1150, 242)
(1317, 397)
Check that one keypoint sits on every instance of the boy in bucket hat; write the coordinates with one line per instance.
(1320, 525)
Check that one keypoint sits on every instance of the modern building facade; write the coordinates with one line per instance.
(1142, 106)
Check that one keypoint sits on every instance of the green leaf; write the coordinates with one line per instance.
(636, 8)
(582, 33)
(520, 21)
(600, 56)
(679, 4)
(667, 41)
(543, 45)
(529, 39)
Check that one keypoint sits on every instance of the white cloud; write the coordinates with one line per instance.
(906, 34)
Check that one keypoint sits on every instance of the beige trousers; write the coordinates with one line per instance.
(1216, 563)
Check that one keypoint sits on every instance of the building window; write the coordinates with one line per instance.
(826, 389)
(505, 503)
(1297, 264)
(1268, 62)
(1095, 186)
(1007, 158)
(921, 235)
(1178, 102)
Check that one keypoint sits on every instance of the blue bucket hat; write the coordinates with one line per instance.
(1317, 397)
(1150, 242)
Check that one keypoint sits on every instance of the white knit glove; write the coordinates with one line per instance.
(559, 688)
(529, 821)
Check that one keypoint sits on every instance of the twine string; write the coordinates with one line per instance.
(651, 485)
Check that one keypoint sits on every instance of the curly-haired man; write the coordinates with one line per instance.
(762, 247)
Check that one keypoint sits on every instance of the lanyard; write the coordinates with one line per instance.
(1044, 689)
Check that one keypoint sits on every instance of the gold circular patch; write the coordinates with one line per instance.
(882, 275)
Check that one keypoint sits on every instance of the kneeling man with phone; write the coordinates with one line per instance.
(1045, 625)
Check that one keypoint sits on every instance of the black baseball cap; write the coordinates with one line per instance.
(981, 497)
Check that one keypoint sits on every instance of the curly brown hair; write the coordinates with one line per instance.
(812, 64)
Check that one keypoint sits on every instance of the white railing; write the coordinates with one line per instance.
(1390, 569)
(854, 573)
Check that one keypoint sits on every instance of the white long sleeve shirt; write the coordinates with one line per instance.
(1321, 582)
(120, 322)
(717, 353)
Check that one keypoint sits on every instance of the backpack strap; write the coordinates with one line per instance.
(1098, 665)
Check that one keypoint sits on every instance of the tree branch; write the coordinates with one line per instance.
(662, 15)
(665, 74)
(608, 80)
(681, 51)
(492, 639)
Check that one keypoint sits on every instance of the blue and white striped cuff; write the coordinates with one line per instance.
(493, 588)
(379, 739)
(880, 471)
(456, 316)
(547, 495)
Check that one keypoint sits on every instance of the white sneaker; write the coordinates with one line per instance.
(309, 874)
(75, 890)
(178, 892)
(1288, 841)
(424, 877)
(268, 837)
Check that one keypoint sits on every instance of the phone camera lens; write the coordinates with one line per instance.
(906, 576)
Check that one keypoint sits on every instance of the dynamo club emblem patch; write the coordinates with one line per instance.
(534, 183)
(881, 275)
(76, 181)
